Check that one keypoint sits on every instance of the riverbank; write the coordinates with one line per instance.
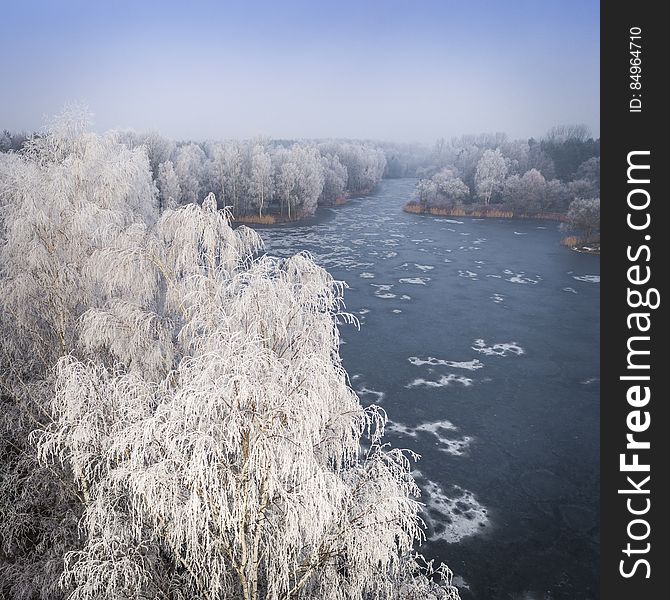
(590, 246)
(499, 212)
(279, 219)
(480, 212)
(267, 219)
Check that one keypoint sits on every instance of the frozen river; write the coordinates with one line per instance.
(480, 339)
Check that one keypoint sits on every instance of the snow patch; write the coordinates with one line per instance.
(521, 277)
(470, 365)
(501, 349)
(383, 290)
(449, 221)
(365, 391)
(443, 381)
(454, 516)
(454, 447)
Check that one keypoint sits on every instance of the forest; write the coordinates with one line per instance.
(258, 180)
(556, 177)
(267, 181)
(176, 421)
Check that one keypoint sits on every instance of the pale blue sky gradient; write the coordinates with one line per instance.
(411, 70)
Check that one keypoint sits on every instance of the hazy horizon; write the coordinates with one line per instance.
(376, 70)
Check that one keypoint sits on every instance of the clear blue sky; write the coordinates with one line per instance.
(397, 70)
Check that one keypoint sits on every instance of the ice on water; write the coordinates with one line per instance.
(470, 365)
(498, 349)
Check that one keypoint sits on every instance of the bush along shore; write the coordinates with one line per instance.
(491, 211)
(586, 246)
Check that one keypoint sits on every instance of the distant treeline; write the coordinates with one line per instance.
(493, 175)
(258, 180)
(267, 180)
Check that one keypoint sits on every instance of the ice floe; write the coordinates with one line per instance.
(365, 391)
(587, 278)
(453, 516)
(383, 290)
(443, 381)
(453, 446)
(521, 277)
(470, 365)
(501, 349)
(424, 267)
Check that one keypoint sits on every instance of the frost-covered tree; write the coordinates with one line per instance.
(558, 196)
(590, 170)
(517, 153)
(189, 165)
(232, 176)
(587, 186)
(196, 433)
(491, 171)
(584, 216)
(310, 177)
(67, 194)
(365, 164)
(158, 148)
(168, 185)
(442, 190)
(334, 179)
(286, 177)
(526, 193)
(5, 141)
(450, 188)
(466, 156)
(299, 180)
(234, 469)
(260, 184)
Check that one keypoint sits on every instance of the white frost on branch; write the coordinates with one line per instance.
(194, 414)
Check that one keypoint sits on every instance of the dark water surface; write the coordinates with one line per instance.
(480, 338)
